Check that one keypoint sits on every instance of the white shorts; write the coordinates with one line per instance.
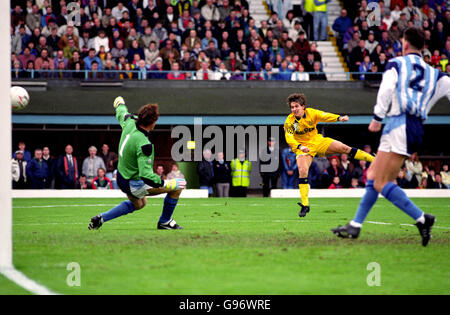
(402, 135)
(138, 188)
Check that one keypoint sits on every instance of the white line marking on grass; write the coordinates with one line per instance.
(23, 281)
(382, 223)
(406, 224)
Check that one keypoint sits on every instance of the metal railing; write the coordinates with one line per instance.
(119, 75)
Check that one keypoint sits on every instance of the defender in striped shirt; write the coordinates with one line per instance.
(407, 93)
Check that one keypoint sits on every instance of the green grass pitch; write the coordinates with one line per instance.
(229, 246)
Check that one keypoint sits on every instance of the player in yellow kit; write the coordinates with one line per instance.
(301, 134)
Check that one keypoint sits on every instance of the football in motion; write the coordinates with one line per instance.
(19, 98)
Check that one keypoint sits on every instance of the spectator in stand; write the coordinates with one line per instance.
(44, 56)
(91, 58)
(69, 34)
(284, 73)
(175, 73)
(101, 181)
(269, 166)
(91, 164)
(355, 183)
(204, 73)
(445, 175)
(118, 10)
(371, 43)
(317, 74)
(110, 160)
(210, 12)
(37, 171)
(222, 73)
(67, 170)
(26, 155)
(70, 49)
(290, 169)
(42, 44)
(240, 175)
(360, 172)
(222, 175)
(268, 72)
(438, 184)
(336, 183)
(175, 172)
(135, 49)
(19, 171)
(300, 75)
(33, 19)
(205, 170)
(101, 40)
(357, 56)
(51, 164)
(364, 67)
(334, 170)
(414, 170)
(160, 171)
(151, 53)
(341, 25)
(401, 179)
(157, 71)
(347, 168)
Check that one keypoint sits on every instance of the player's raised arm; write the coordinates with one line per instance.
(121, 110)
(322, 116)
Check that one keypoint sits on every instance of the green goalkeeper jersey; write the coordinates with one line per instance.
(136, 154)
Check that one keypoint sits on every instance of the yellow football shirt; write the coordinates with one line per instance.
(303, 131)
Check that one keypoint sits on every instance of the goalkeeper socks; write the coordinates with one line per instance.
(119, 210)
(366, 203)
(360, 155)
(304, 190)
(168, 208)
(397, 196)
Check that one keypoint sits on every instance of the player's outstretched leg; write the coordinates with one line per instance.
(125, 207)
(337, 147)
(170, 202)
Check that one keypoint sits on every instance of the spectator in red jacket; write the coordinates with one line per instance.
(101, 181)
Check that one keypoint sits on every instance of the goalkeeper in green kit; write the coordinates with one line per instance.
(135, 175)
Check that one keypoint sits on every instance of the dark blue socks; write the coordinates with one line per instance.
(168, 208)
(397, 196)
(367, 202)
(119, 210)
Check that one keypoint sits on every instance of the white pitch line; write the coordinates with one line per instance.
(23, 281)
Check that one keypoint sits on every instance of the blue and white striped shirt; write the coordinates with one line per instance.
(410, 86)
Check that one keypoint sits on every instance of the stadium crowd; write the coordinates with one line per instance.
(98, 170)
(159, 39)
(368, 47)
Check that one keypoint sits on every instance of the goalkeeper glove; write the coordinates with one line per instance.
(174, 184)
(119, 101)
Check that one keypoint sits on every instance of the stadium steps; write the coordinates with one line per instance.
(332, 61)
(331, 56)
(259, 10)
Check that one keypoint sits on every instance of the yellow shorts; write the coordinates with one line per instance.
(318, 147)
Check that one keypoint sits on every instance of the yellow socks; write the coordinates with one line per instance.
(360, 155)
(304, 190)
(363, 155)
